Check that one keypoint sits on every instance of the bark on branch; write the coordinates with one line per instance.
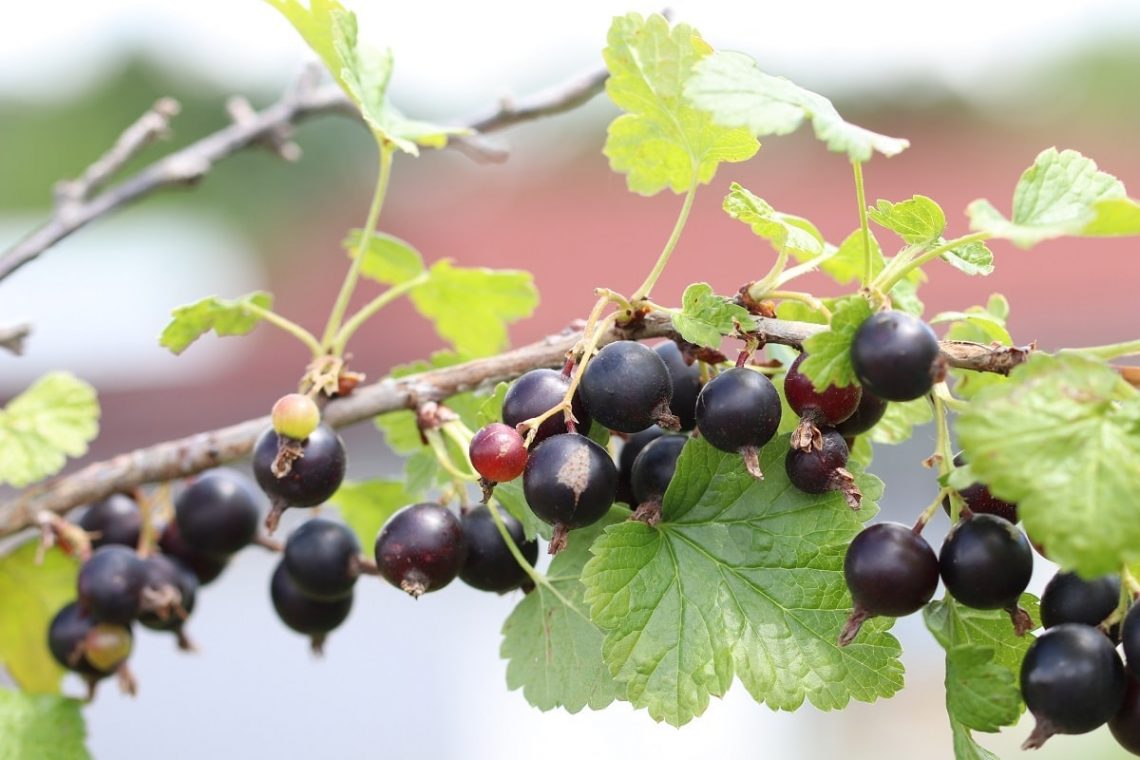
(187, 456)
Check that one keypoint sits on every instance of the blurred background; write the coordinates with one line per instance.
(979, 88)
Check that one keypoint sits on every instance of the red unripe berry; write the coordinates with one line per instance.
(498, 453)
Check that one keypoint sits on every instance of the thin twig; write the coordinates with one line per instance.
(187, 456)
(12, 338)
(270, 127)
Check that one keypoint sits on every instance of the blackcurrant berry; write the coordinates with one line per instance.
(498, 453)
(490, 566)
(295, 416)
(1125, 725)
(824, 469)
(1130, 638)
(322, 558)
(979, 499)
(890, 570)
(314, 471)
(825, 408)
(686, 384)
(654, 467)
(569, 482)
(986, 562)
(739, 411)
(627, 387)
(115, 520)
(217, 514)
(314, 618)
(205, 567)
(1068, 598)
(421, 548)
(110, 585)
(1072, 681)
(162, 610)
(870, 410)
(629, 451)
(536, 392)
(79, 643)
(896, 356)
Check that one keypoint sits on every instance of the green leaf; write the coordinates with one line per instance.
(30, 596)
(973, 258)
(366, 505)
(798, 311)
(190, 322)
(706, 317)
(387, 259)
(904, 295)
(848, 264)
(491, 410)
(554, 652)
(787, 233)
(1063, 193)
(471, 307)
(56, 417)
(965, 746)
(918, 221)
(41, 726)
(510, 496)
(900, 419)
(362, 71)
(956, 625)
(662, 141)
(829, 353)
(742, 577)
(1062, 441)
(734, 90)
(982, 695)
(862, 452)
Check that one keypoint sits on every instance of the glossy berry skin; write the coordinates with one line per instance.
(813, 471)
(569, 480)
(421, 548)
(498, 453)
(1130, 638)
(1072, 681)
(867, 414)
(654, 468)
(205, 567)
(828, 407)
(686, 384)
(628, 455)
(979, 499)
(1125, 725)
(312, 479)
(312, 617)
(890, 570)
(110, 585)
(295, 416)
(1068, 598)
(738, 408)
(895, 356)
(165, 571)
(321, 557)
(627, 387)
(986, 562)
(490, 566)
(217, 514)
(116, 519)
(537, 391)
(80, 644)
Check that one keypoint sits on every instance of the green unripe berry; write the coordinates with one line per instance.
(295, 416)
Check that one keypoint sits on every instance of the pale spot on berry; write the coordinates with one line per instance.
(575, 472)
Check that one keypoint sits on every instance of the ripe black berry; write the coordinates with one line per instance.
(1072, 681)
(110, 585)
(890, 570)
(205, 567)
(980, 501)
(1068, 598)
(654, 467)
(217, 514)
(498, 453)
(1125, 725)
(870, 410)
(986, 562)
(164, 610)
(322, 558)
(569, 482)
(490, 566)
(534, 393)
(626, 457)
(79, 643)
(1130, 638)
(824, 469)
(896, 356)
(825, 408)
(115, 520)
(739, 411)
(311, 478)
(627, 388)
(686, 384)
(313, 617)
(421, 548)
